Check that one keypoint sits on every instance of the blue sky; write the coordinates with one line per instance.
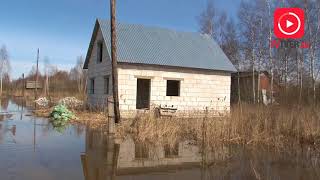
(62, 28)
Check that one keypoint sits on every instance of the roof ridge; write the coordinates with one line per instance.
(155, 27)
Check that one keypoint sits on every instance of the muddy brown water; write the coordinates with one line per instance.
(31, 149)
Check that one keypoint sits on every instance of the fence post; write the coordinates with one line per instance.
(110, 115)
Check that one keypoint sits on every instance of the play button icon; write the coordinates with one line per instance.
(289, 24)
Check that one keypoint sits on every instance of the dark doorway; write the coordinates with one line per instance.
(143, 93)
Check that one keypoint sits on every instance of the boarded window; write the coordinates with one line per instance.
(100, 52)
(173, 88)
(91, 89)
(106, 84)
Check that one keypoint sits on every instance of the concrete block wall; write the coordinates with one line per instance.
(98, 71)
(198, 89)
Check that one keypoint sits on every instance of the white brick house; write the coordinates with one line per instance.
(157, 68)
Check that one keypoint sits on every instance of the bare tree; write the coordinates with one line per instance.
(270, 50)
(260, 58)
(231, 47)
(5, 66)
(79, 68)
(32, 71)
(249, 23)
(46, 72)
(312, 16)
(79, 74)
(207, 20)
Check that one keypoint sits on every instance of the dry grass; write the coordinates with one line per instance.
(53, 96)
(250, 125)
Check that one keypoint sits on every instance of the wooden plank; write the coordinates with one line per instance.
(33, 85)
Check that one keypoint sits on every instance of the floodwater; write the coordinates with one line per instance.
(31, 149)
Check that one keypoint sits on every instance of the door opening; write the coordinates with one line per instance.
(143, 94)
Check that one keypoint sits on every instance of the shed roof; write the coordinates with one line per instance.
(139, 44)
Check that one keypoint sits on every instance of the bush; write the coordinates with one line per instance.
(60, 115)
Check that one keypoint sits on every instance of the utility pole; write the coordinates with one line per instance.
(23, 84)
(37, 74)
(34, 135)
(114, 60)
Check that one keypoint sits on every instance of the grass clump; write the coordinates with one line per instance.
(60, 115)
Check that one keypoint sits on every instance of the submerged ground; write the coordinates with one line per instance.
(31, 149)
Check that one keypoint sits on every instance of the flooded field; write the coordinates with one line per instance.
(31, 149)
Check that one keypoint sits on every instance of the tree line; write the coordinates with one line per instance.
(54, 82)
(246, 41)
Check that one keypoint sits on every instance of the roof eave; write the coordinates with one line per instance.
(175, 67)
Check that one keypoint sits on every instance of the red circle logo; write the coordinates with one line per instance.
(289, 23)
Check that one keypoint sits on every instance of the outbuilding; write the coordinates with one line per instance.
(242, 85)
(159, 69)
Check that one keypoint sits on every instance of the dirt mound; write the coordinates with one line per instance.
(43, 101)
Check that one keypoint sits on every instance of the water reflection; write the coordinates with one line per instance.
(107, 158)
(30, 149)
(7, 130)
(100, 158)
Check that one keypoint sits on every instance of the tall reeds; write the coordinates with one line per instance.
(251, 125)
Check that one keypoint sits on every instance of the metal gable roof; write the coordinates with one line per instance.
(157, 46)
